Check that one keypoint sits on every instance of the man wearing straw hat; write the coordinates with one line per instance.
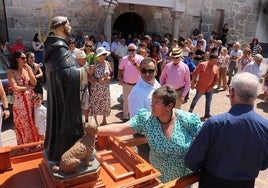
(177, 74)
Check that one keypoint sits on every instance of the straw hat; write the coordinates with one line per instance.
(102, 50)
(176, 52)
(147, 37)
(80, 54)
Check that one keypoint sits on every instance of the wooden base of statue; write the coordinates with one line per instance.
(5, 161)
(86, 178)
(119, 166)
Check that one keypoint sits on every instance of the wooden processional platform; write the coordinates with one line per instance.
(117, 166)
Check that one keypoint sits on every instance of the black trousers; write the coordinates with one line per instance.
(208, 180)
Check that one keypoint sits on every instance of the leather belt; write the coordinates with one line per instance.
(130, 84)
(179, 88)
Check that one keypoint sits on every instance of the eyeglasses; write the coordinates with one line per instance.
(131, 50)
(156, 103)
(175, 57)
(150, 71)
(104, 54)
(88, 46)
(23, 58)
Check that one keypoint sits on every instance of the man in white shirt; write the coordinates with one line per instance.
(121, 50)
(235, 54)
(103, 43)
(201, 37)
(115, 44)
(141, 94)
(254, 66)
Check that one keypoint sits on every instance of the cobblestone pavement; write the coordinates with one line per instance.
(220, 104)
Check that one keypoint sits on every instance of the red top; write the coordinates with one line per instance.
(16, 47)
(208, 76)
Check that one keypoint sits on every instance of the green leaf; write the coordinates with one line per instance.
(91, 58)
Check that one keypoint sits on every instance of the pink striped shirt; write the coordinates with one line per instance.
(177, 76)
(130, 73)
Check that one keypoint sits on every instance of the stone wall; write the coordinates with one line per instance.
(86, 15)
(23, 16)
(241, 16)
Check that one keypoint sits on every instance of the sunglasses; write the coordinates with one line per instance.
(131, 50)
(88, 46)
(150, 71)
(23, 58)
(175, 57)
(104, 54)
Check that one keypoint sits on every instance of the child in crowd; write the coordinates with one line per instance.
(40, 115)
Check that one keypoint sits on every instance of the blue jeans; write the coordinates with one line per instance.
(208, 101)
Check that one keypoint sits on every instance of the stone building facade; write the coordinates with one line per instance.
(246, 18)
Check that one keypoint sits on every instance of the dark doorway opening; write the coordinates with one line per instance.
(129, 23)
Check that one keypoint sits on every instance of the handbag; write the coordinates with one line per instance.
(10, 98)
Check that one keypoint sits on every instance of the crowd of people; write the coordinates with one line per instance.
(156, 75)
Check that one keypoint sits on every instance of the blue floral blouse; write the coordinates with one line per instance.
(167, 155)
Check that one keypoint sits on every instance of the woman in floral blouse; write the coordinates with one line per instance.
(169, 132)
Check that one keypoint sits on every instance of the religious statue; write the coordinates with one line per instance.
(64, 119)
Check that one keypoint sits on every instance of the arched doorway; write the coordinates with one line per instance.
(129, 23)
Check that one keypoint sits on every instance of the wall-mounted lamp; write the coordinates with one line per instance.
(131, 6)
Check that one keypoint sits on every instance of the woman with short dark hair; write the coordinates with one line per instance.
(169, 132)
